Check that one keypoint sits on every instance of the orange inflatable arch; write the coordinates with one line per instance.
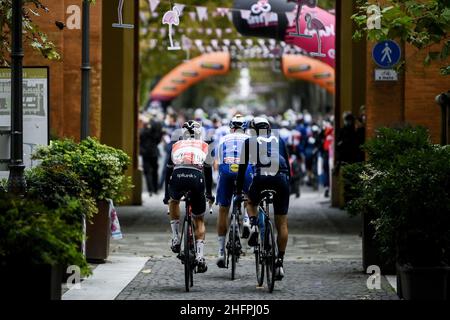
(189, 73)
(309, 69)
(218, 63)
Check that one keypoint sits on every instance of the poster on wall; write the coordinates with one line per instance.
(35, 113)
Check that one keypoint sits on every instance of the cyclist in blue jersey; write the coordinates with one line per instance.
(269, 158)
(229, 154)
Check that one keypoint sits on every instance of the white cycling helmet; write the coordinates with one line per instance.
(237, 122)
(192, 129)
(260, 123)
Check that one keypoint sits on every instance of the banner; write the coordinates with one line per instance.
(316, 33)
(35, 112)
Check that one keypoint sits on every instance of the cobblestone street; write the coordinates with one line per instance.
(323, 259)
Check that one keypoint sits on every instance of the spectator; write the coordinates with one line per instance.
(150, 137)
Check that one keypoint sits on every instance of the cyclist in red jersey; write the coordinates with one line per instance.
(189, 170)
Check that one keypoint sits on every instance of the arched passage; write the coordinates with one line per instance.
(189, 73)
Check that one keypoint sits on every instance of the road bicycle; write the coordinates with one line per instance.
(188, 244)
(266, 250)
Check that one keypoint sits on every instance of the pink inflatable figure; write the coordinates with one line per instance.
(316, 25)
(300, 3)
(172, 17)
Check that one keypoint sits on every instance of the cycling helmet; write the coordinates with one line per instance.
(192, 129)
(238, 122)
(260, 123)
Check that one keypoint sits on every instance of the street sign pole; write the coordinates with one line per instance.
(16, 181)
(85, 72)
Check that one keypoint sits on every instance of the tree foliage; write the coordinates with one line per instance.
(33, 35)
(419, 23)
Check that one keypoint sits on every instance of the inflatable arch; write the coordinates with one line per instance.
(190, 73)
(309, 69)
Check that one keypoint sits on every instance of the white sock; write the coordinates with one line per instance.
(200, 247)
(175, 225)
(221, 245)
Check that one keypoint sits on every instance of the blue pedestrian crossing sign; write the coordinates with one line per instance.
(387, 54)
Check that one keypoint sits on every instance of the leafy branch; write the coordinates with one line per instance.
(419, 23)
(33, 35)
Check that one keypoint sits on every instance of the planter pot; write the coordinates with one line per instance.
(370, 251)
(423, 283)
(98, 234)
(31, 282)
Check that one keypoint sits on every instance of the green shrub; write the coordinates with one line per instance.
(100, 166)
(405, 189)
(55, 185)
(31, 233)
(413, 203)
(351, 174)
(389, 144)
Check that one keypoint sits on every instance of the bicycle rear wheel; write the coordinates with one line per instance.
(187, 253)
(233, 248)
(270, 255)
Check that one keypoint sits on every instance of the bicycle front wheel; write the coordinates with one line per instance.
(259, 261)
(270, 255)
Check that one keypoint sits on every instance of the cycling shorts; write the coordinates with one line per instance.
(226, 184)
(279, 183)
(189, 180)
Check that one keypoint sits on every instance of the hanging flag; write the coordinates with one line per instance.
(193, 15)
(202, 13)
(198, 43)
(186, 42)
(180, 8)
(226, 42)
(215, 43)
(222, 11)
(228, 30)
(153, 43)
(230, 16)
(219, 32)
(189, 30)
(245, 14)
(209, 31)
(153, 4)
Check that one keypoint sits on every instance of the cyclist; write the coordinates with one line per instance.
(271, 171)
(229, 152)
(189, 169)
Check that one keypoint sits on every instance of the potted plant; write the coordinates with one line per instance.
(362, 179)
(405, 188)
(53, 184)
(103, 169)
(414, 222)
(34, 242)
